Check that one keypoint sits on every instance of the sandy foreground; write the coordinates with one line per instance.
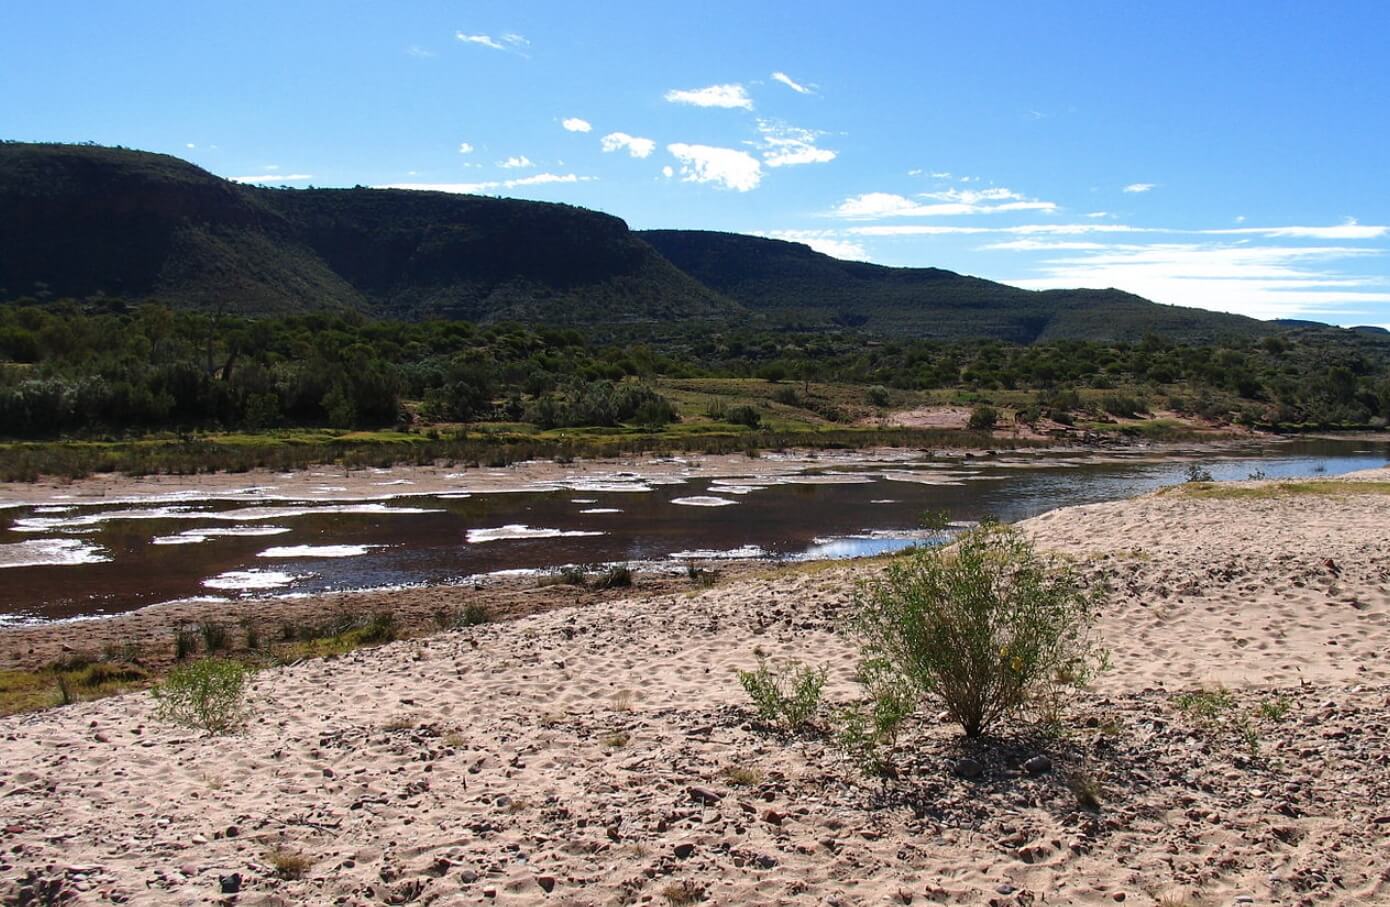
(583, 755)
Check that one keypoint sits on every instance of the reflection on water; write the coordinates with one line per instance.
(84, 560)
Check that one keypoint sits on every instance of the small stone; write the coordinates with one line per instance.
(1118, 896)
(613, 833)
(683, 850)
(468, 877)
(704, 795)
(968, 768)
(1005, 889)
(547, 883)
(232, 831)
(1038, 765)
(230, 884)
(773, 817)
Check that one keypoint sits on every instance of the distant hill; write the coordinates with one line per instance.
(790, 280)
(85, 220)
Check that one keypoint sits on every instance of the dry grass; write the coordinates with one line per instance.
(743, 776)
(678, 894)
(289, 864)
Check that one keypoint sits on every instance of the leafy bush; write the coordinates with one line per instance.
(878, 395)
(209, 694)
(788, 695)
(743, 415)
(1198, 473)
(616, 577)
(1123, 406)
(988, 626)
(982, 418)
(474, 615)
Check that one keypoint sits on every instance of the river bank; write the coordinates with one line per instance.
(587, 754)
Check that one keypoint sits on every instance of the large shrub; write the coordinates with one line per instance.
(987, 626)
(209, 694)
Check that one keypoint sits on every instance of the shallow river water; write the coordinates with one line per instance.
(64, 560)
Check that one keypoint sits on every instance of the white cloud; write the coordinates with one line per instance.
(876, 205)
(730, 96)
(510, 41)
(823, 241)
(1259, 281)
(465, 148)
(1098, 214)
(787, 146)
(516, 162)
(668, 171)
(1139, 187)
(276, 178)
(1349, 230)
(724, 167)
(792, 83)
(419, 52)
(575, 124)
(1018, 230)
(635, 145)
(190, 145)
(473, 188)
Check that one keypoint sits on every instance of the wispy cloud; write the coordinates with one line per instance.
(1349, 230)
(575, 124)
(950, 203)
(1139, 187)
(1262, 281)
(792, 83)
(277, 178)
(823, 241)
(418, 52)
(731, 96)
(788, 146)
(511, 41)
(635, 145)
(465, 148)
(538, 179)
(727, 168)
(516, 162)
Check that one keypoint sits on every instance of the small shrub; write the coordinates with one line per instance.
(443, 618)
(379, 628)
(1198, 473)
(185, 643)
(1205, 705)
(743, 776)
(66, 694)
(214, 636)
(745, 415)
(288, 864)
(474, 615)
(682, 894)
(619, 576)
(1257, 475)
(787, 396)
(209, 694)
(253, 634)
(616, 740)
(982, 418)
(788, 696)
(1087, 791)
(878, 395)
(1275, 709)
(988, 626)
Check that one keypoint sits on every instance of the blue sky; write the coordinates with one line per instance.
(1227, 155)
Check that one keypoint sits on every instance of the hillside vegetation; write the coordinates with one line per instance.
(85, 222)
(790, 282)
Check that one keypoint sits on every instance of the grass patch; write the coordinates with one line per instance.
(26, 691)
(1223, 491)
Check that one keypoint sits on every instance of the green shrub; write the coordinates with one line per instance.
(988, 627)
(214, 635)
(619, 576)
(209, 694)
(982, 418)
(185, 643)
(473, 615)
(788, 695)
(743, 414)
(878, 395)
(1197, 473)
